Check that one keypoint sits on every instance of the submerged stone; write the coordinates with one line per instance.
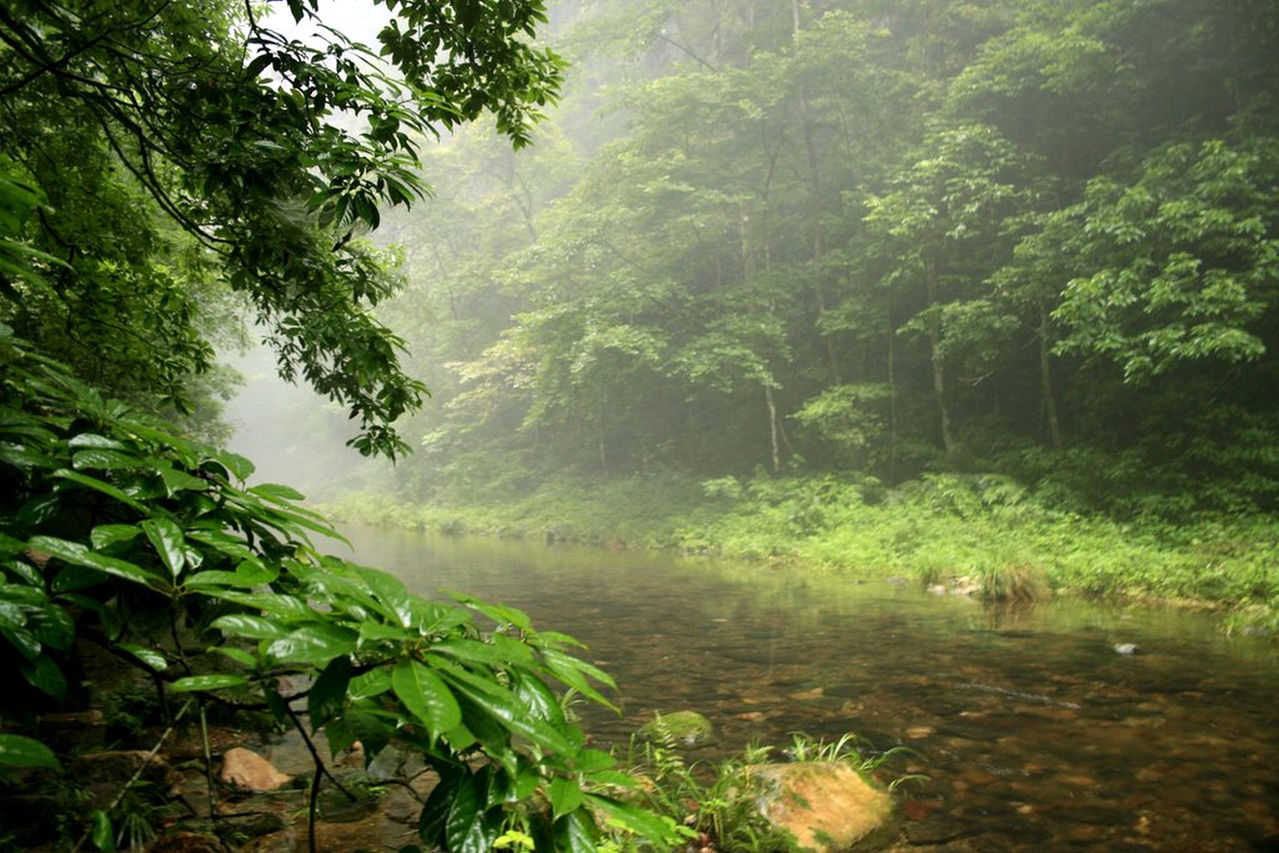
(827, 806)
(688, 728)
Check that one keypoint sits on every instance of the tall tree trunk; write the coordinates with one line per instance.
(939, 369)
(1046, 379)
(892, 400)
(772, 426)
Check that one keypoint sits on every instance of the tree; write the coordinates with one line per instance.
(270, 155)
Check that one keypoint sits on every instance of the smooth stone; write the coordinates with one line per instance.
(245, 769)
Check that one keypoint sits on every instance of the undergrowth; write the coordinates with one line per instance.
(983, 527)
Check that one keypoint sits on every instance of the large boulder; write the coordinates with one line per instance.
(827, 806)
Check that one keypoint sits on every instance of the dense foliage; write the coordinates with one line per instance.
(1037, 238)
(162, 165)
(187, 148)
(115, 532)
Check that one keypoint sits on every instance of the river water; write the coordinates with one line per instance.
(1032, 729)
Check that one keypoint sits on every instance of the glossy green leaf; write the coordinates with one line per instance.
(21, 751)
(177, 481)
(105, 535)
(468, 829)
(287, 607)
(328, 694)
(575, 833)
(167, 539)
(215, 681)
(314, 644)
(248, 625)
(105, 460)
(426, 696)
(89, 439)
(103, 487)
(504, 707)
(152, 658)
(79, 555)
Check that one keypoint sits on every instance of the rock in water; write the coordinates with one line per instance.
(827, 806)
(687, 728)
(1126, 648)
(244, 768)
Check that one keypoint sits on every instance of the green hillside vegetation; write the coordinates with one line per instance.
(854, 261)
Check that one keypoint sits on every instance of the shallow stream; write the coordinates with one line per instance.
(1033, 730)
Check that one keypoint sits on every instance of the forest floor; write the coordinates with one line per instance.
(980, 530)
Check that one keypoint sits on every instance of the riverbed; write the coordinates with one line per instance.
(1065, 725)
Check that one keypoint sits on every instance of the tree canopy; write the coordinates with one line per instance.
(187, 149)
(893, 237)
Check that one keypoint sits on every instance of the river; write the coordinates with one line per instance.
(1032, 729)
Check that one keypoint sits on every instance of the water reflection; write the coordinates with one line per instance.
(1032, 728)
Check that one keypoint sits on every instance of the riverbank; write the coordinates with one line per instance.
(983, 532)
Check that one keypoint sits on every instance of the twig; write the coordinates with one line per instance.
(146, 762)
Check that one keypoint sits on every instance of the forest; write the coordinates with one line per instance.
(885, 238)
(981, 293)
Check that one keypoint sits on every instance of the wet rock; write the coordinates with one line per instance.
(1126, 648)
(683, 727)
(187, 842)
(245, 769)
(939, 829)
(827, 806)
(920, 732)
(237, 829)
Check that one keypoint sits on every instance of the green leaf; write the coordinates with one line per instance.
(20, 751)
(215, 681)
(167, 539)
(288, 607)
(426, 696)
(439, 803)
(366, 685)
(564, 794)
(277, 493)
(328, 694)
(575, 833)
(503, 706)
(79, 555)
(248, 625)
(103, 487)
(106, 535)
(152, 658)
(239, 467)
(642, 821)
(100, 832)
(313, 644)
(569, 670)
(177, 481)
(89, 439)
(467, 828)
(240, 656)
(105, 460)
(43, 674)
